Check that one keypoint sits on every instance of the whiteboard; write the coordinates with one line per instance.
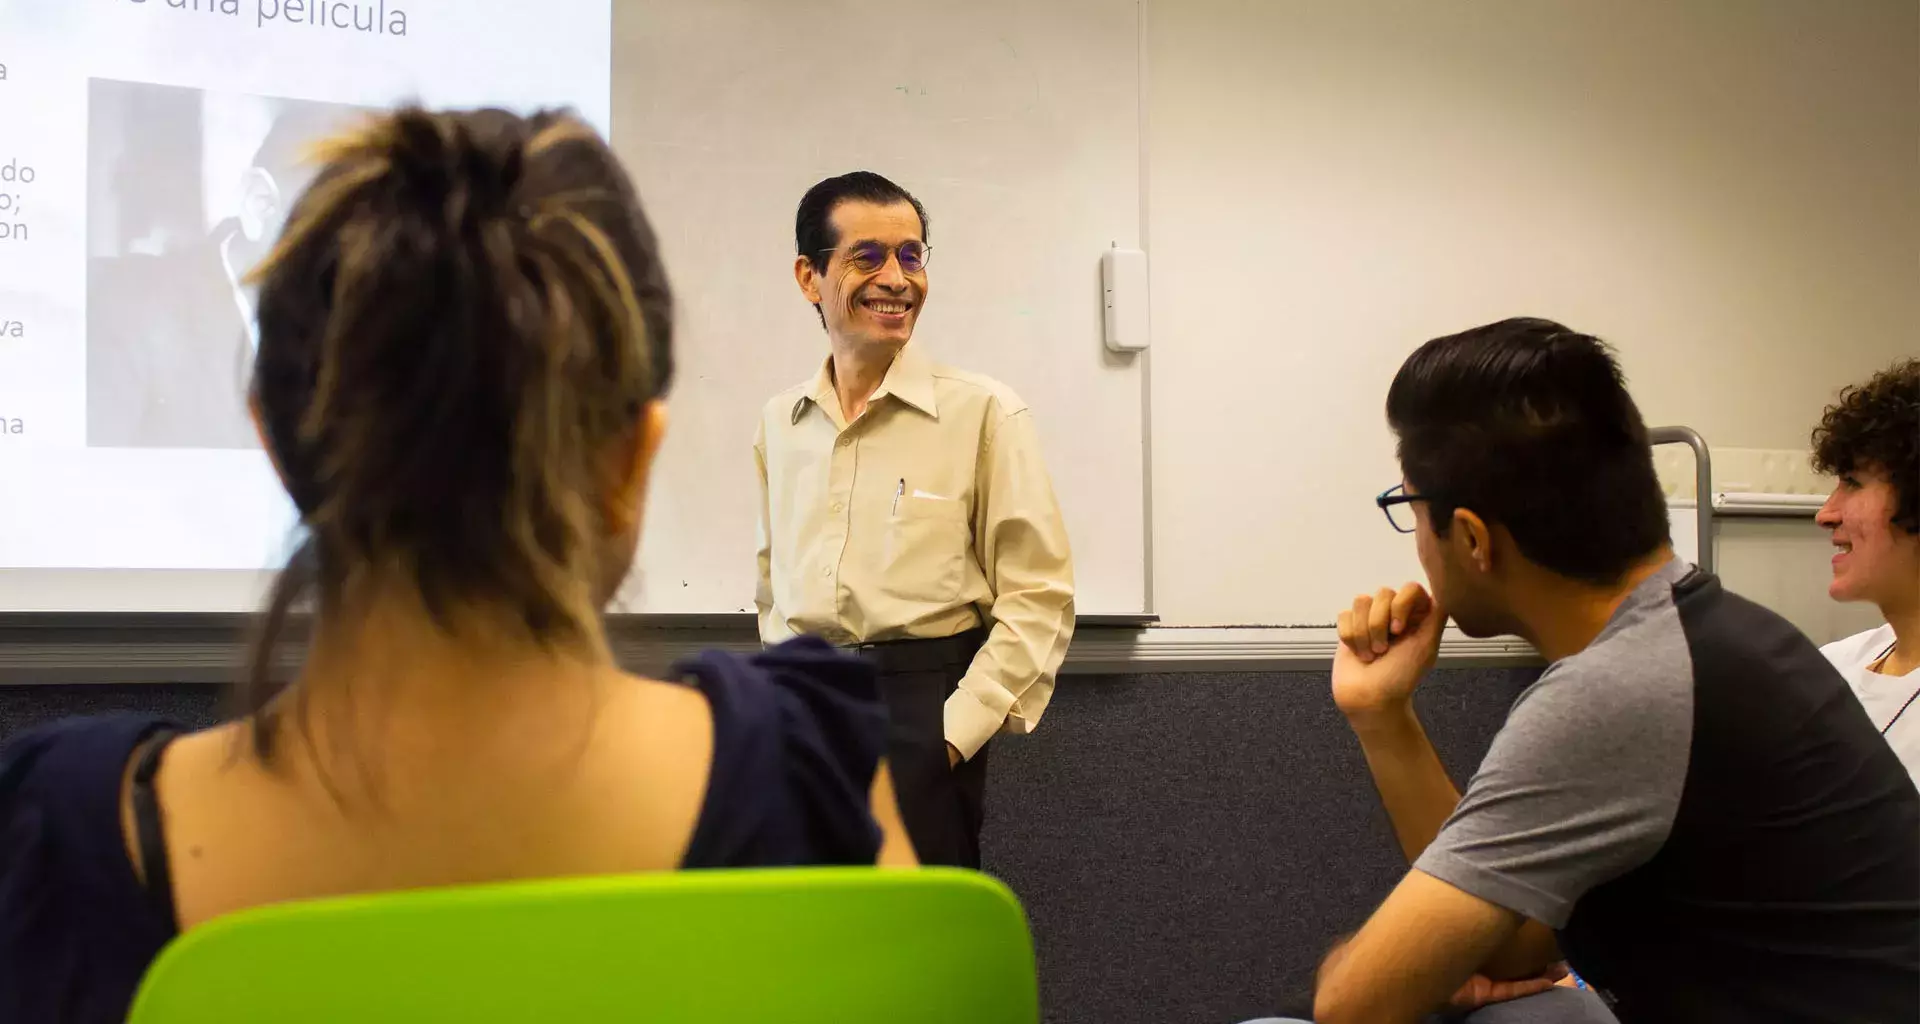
(1016, 124)
(1715, 188)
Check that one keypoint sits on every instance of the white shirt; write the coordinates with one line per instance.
(1883, 696)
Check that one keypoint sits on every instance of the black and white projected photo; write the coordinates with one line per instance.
(186, 191)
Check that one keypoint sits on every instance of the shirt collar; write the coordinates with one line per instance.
(820, 394)
(910, 379)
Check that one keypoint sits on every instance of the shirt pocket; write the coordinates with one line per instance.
(924, 558)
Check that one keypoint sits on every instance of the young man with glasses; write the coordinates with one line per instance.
(906, 511)
(1688, 806)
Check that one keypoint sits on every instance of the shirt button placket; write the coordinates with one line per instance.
(839, 489)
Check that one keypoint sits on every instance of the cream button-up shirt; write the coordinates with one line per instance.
(927, 516)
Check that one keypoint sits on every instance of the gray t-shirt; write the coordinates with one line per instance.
(1583, 781)
(1700, 807)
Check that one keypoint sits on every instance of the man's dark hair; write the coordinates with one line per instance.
(813, 234)
(1876, 425)
(1528, 423)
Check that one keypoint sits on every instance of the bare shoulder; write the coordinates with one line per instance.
(192, 770)
(678, 697)
(668, 709)
(656, 744)
(208, 752)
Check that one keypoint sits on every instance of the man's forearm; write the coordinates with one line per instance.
(1011, 678)
(1419, 797)
(978, 708)
(1412, 782)
(1331, 962)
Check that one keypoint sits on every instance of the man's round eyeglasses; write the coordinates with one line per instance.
(869, 257)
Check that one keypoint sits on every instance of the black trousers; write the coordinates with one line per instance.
(942, 806)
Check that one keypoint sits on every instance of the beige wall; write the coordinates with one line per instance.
(1730, 191)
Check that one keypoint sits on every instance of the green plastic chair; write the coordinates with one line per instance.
(795, 946)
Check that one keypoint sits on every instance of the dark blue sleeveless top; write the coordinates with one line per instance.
(798, 731)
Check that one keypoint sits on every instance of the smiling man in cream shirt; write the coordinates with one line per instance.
(906, 512)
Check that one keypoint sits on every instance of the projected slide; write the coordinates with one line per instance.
(149, 153)
(186, 190)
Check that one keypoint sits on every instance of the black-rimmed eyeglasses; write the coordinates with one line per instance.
(1398, 506)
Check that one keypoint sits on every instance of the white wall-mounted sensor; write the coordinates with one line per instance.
(1123, 280)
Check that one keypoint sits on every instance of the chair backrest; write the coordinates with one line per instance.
(798, 946)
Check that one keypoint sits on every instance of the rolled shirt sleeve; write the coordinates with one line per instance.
(1021, 543)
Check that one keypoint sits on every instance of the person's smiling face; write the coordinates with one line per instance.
(1877, 561)
(875, 281)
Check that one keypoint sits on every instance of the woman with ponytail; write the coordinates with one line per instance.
(465, 342)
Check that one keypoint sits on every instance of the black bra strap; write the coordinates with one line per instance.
(146, 827)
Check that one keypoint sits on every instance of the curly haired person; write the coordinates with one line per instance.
(1870, 441)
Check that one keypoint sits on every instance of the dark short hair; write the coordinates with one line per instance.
(1528, 423)
(1877, 425)
(813, 234)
